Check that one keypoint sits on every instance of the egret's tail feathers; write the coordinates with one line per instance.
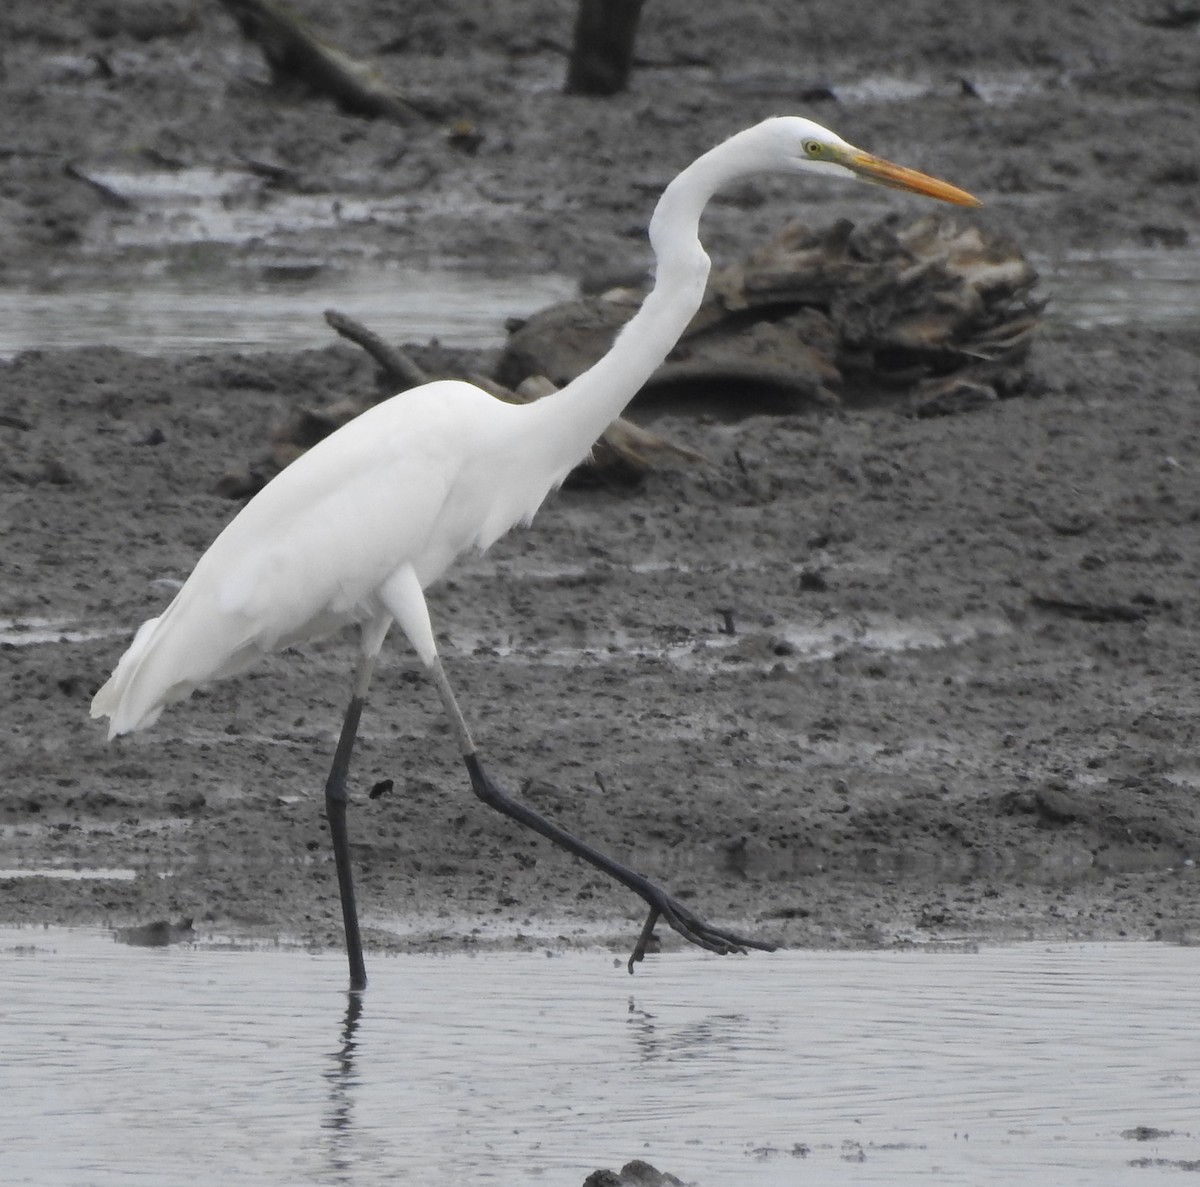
(125, 699)
(170, 657)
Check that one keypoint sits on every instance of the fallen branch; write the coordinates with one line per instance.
(399, 370)
(1089, 611)
(623, 443)
(295, 54)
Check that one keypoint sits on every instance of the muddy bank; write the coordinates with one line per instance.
(1075, 128)
(959, 696)
(957, 700)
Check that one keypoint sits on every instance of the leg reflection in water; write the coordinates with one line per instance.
(339, 1074)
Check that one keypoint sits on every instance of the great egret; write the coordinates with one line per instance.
(353, 531)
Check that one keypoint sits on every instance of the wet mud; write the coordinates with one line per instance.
(863, 679)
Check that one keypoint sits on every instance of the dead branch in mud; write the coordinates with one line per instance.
(624, 450)
(399, 370)
(296, 55)
(938, 316)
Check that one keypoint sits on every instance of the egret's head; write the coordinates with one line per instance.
(807, 147)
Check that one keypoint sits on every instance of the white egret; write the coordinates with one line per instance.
(353, 531)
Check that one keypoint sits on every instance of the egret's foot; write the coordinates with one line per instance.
(693, 929)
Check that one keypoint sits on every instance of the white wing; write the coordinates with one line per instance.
(415, 480)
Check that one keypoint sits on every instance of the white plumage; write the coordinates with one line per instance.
(411, 483)
(354, 530)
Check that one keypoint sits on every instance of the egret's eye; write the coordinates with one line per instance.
(814, 148)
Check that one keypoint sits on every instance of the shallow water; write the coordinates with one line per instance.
(791, 643)
(249, 310)
(1149, 287)
(1038, 1063)
(280, 307)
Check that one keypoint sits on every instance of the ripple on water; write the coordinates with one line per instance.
(989, 1067)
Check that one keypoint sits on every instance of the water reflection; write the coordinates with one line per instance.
(342, 1080)
(702, 1038)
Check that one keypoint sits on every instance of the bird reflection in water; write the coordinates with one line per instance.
(342, 1080)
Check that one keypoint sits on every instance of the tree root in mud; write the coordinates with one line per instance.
(624, 452)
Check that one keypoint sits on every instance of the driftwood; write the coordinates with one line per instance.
(295, 54)
(936, 315)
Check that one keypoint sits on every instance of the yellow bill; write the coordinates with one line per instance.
(898, 177)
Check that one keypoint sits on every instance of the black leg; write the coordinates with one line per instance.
(336, 798)
(693, 929)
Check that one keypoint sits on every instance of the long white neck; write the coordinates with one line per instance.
(571, 420)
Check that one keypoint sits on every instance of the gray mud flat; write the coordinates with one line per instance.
(960, 696)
